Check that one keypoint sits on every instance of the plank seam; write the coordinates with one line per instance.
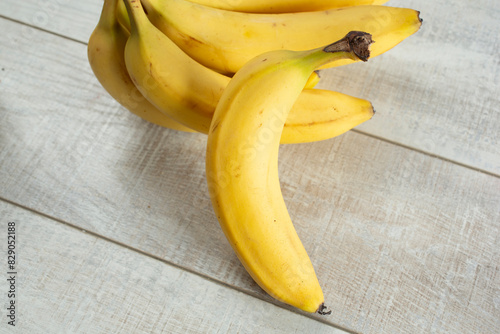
(42, 29)
(177, 266)
(429, 154)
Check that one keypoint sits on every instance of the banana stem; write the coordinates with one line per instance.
(107, 18)
(357, 42)
(136, 14)
(354, 45)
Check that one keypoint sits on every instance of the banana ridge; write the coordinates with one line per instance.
(283, 6)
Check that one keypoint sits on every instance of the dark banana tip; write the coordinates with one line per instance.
(323, 310)
(373, 109)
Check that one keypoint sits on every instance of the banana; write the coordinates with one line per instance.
(225, 40)
(313, 80)
(124, 20)
(122, 16)
(330, 114)
(242, 168)
(283, 6)
(105, 53)
(189, 92)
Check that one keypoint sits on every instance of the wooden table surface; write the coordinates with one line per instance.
(115, 231)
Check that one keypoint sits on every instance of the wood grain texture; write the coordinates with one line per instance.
(72, 282)
(72, 19)
(402, 241)
(436, 92)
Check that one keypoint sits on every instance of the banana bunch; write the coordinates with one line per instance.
(243, 72)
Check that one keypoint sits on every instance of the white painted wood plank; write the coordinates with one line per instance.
(402, 242)
(439, 90)
(73, 19)
(73, 282)
(436, 92)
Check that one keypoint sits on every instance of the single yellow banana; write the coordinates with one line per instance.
(242, 168)
(225, 40)
(164, 74)
(105, 53)
(284, 6)
(189, 92)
